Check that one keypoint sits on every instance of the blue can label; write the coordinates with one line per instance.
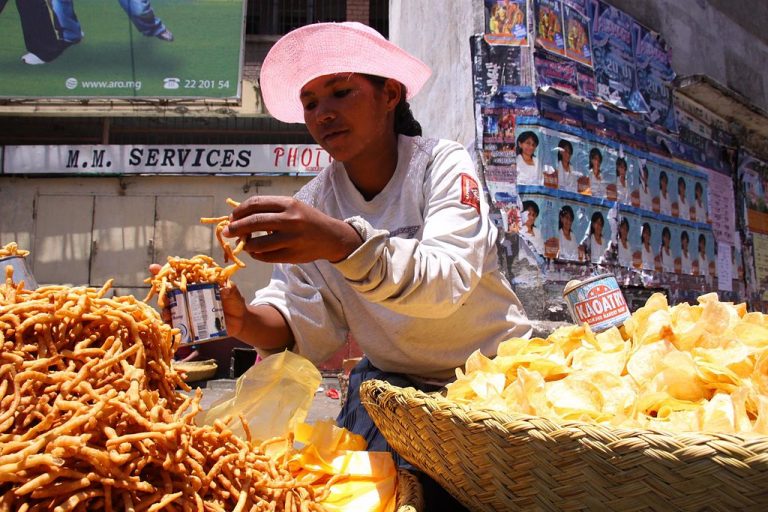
(598, 301)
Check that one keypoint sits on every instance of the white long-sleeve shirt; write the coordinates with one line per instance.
(424, 290)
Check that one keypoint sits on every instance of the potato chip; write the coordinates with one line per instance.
(700, 367)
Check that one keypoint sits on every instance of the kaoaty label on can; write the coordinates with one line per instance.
(598, 301)
(180, 314)
(206, 313)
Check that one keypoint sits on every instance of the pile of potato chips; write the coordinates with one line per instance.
(684, 368)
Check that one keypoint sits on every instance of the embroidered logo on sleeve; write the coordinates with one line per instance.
(470, 192)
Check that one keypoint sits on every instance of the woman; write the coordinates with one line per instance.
(622, 185)
(665, 202)
(391, 244)
(529, 231)
(566, 177)
(683, 209)
(648, 257)
(665, 251)
(595, 243)
(596, 182)
(698, 204)
(646, 200)
(527, 163)
(568, 248)
(623, 249)
(686, 264)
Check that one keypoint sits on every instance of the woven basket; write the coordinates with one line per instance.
(197, 370)
(492, 461)
(409, 497)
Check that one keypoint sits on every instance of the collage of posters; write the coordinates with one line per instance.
(616, 182)
(588, 200)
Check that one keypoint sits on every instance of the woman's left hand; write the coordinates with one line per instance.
(295, 232)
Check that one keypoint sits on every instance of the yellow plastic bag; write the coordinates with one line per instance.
(273, 396)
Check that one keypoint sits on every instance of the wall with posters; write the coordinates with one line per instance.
(591, 164)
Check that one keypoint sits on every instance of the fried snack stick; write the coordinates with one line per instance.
(230, 253)
(11, 249)
(90, 418)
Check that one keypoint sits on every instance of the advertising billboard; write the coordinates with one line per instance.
(121, 49)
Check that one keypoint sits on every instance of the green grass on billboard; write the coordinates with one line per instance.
(114, 60)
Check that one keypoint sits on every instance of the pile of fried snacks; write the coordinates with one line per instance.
(90, 418)
(11, 249)
(682, 368)
(178, 272)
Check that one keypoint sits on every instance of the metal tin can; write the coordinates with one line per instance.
(21, 271)
(598, 301)
(206, 313)
(198, 313)
(177, 302)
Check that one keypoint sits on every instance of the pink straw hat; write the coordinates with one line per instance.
(326, 48)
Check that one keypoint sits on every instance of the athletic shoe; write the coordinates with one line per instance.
(31, 59)
(165, 35)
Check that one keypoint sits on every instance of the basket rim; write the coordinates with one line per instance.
(435, 401)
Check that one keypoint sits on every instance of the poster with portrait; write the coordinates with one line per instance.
(612, 57)
(506, 22)
(704, 263)
(578, 44)
(599, 178)
(528, 150)
(598, 236)
(669, 247)
(537, 222)
(687, 250)
(563, 156)
(760, 250)
(626, 251)
(548, 24)
(572, 223)
(663, 195)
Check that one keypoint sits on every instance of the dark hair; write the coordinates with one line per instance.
(665, 232)
(624, 222)
(680, 180)
(524, 137)
(698, 187)
(594, 152)
(565, 210)
(566, 146)
(532, 204)
(645, 227)
(684, 235)
(702, 238)
(663, 176)
(621, 161)
(405, 123)
(595, 217)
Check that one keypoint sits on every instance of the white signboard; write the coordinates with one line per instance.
(182, 159)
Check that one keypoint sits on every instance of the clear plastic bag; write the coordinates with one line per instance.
(273, 396)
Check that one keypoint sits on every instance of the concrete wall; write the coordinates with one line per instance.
(725, 39)
(61, 241)
(438, 32)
